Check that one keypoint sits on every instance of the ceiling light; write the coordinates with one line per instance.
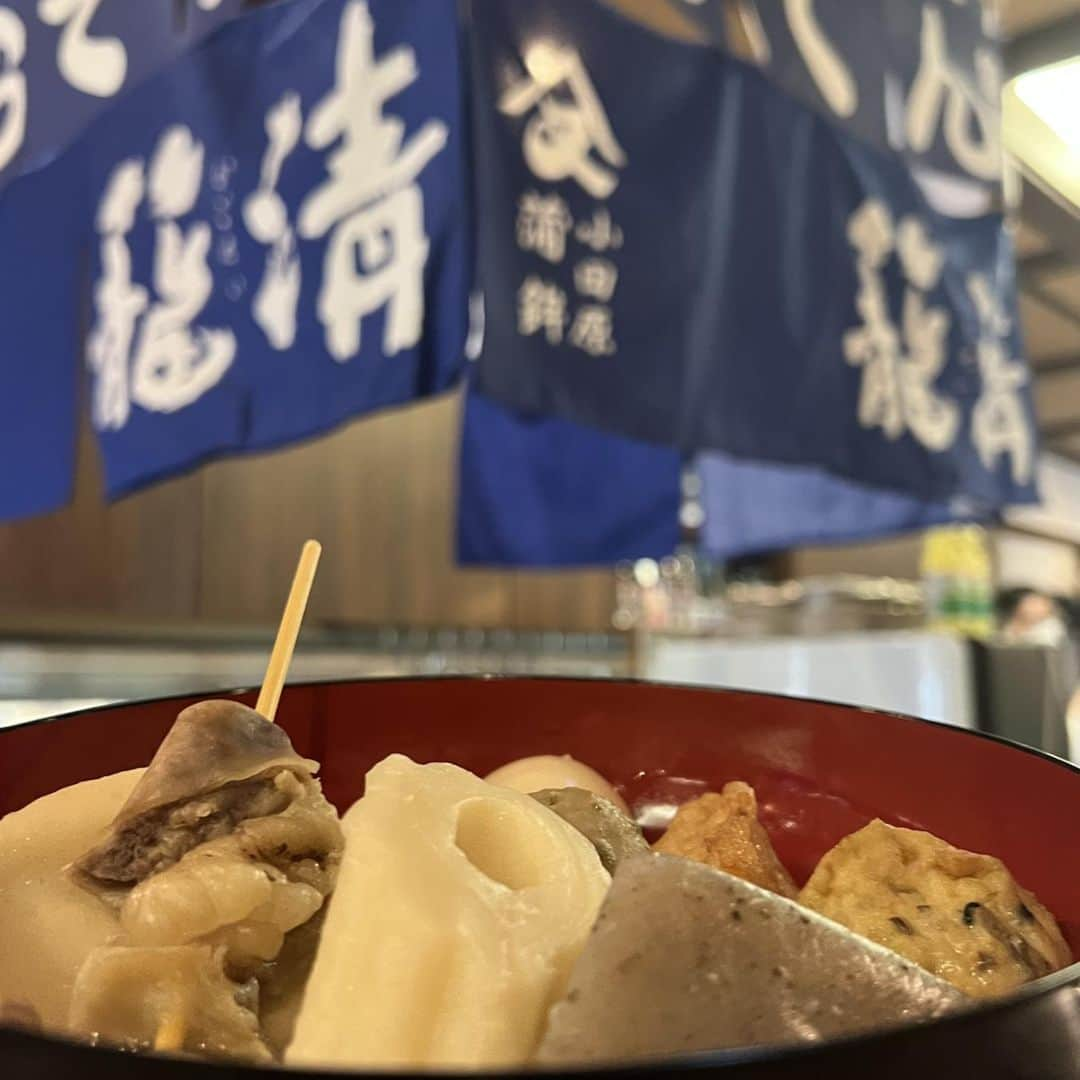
(1053, 94)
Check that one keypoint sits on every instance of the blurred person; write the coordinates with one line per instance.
(1036, 619)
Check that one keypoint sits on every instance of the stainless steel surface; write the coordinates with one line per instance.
(47, 678)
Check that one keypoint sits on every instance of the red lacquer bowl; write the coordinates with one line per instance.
(820, 772)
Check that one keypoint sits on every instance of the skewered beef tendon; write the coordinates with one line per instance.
(215, 768)
(269, 875)
(130, 996)
(956, 913)
(723, 831)
(225, 850)
(683, 957)
(600, 821)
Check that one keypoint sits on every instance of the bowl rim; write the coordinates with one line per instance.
(486, 677)
(1064, 979)
(980, 1011)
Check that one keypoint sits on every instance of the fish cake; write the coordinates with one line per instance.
(958, 914)
(722, 830)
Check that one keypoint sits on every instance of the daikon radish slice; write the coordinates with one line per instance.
(48, 925)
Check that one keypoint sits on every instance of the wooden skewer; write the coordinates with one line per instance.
(170, 1032)
(172, 1027)
(288, 630)
(173, 1023)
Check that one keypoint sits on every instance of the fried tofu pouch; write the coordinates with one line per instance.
(723, 831)
(960, 915)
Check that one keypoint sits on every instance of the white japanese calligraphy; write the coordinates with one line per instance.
(370, 199)
(971, 113)
(12, 85)
(897, 391)
(387, 278)
(119, 302)
(600, 232)
(267, 219)
(543, 222)
(999, 423)
(176, 172)
(95, 66)
(561, 138)
(596, 278)
(592, 330)
(174, 364)
(921, 259)
(541, 306)
(826, 66)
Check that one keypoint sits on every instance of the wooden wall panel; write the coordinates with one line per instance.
(137, 557)
(377, 494)
(380, 495)
(220, 545)
(550, 600)
(895, 557)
